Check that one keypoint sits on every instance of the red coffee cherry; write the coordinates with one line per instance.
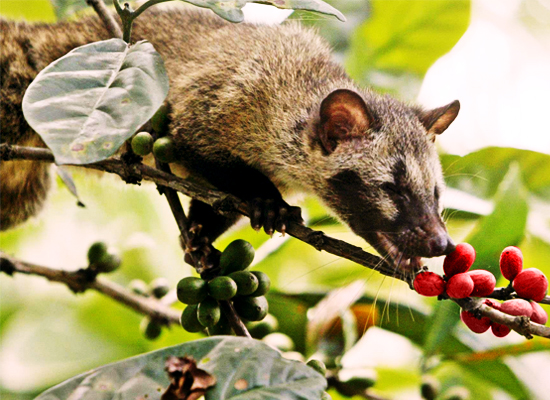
(460, 286)
(475, 325)
(484, 282)
(531, 284)
(539, 315)
(511, 262)
(517, 307)
(429, 284)
(460, 260)
(499, 330)
(492, 303)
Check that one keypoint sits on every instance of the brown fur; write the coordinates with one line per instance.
(251, 95)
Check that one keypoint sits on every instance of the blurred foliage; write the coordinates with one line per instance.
(29, 10)
(421, 33)
(481, 172)
(399, 334)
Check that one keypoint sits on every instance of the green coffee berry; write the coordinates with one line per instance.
(259, 329)
(251, 308)
(159, 121)
(246, 281)
(237, 256)
(429, 388)
(457, 393)
(159, 287)
(279, 341)
(326, 396)
(164, 149)
(222, 288)
(208, 312)
(96, 252)
(149, 328)
(318, 366)
(189, 320)
(139, 287)
(142, 143)
(108, 263)
(264, 283)
(357, 380)
(192, 290)
(328, 360)
(223, 327)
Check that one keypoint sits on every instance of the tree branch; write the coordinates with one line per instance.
(221, 202)
(79, 281)
(106, 17)
(520, 324)
(226, 203)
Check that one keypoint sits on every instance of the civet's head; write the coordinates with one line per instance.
(382, 174)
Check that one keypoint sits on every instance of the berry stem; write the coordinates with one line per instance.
(76, 282)
(236, 323)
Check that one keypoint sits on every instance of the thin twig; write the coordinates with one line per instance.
(183, 224)
(175, 205)
(106, 17)
(236, 323)
(508, 293)
(77, 282)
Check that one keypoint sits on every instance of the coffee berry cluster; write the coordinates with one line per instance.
(530, 285)
(244, 288)
(163, 148)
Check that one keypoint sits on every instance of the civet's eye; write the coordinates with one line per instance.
(390, 188)
(437, 194)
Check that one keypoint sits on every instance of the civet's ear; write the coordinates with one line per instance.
(436, 121)
(343, 115)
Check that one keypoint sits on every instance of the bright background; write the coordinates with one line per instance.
(494, 56)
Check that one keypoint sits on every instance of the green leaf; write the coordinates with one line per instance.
(406, 320)
(67, 179)
(441, 326)
(481, 172)
(505, 226)
(406, 35)
(87, 103)
(66, 8)
(320, 326)
(244, 369)
(231, 10)
(534, 345)
(500, 375)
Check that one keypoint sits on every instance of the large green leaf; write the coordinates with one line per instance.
(231, 10)
(477, 379)
(406, 35)
(87, 103)
(245, 369)
(481, 172)
(499, 374)
(505, 226)
(440, 326)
